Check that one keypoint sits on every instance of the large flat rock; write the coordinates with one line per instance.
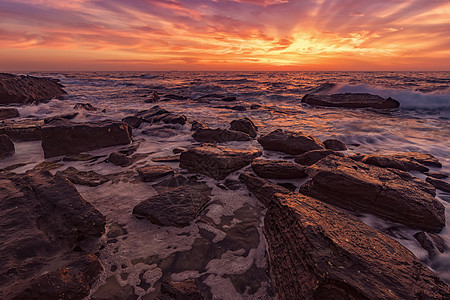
(388, 193)
(291, 142)
(28, 89)
(351, 100)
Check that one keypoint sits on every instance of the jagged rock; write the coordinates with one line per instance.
(431, 242)
(311, 157)
(88, 178)
(437, 175)
(197, 125)
(334, 144)
(65, 116)
(154, 115)
(278, 169)
(422, 158)
(84, 106)
(120, 159)
(439, 184)
(317, 251)
(154, 97)
(63, 137)
(291, 142)
(8, 113)
(134, 122)
(22, 130)
(216, 162)
(219, 135)
(6, 146)
(176, 207)
(388, 193)
(396, 161)
(152, 173)
(262, 188)
(42, 218)
(351, 100)
(184, 290)
(245, 125)
(28, 89)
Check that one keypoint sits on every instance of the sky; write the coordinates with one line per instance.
(284, 35)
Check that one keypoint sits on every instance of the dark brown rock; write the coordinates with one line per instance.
(84, 106)
(278, 169)
(439, 184)
(317, 251)
(291, 142)
(422, 158)
(154, 97)
(8, 113)
(63, 138)
(255, 106)
(311, 157)
(197, 125)
(176, 207)
(437, 175)
(152, 173)
(28, 89)
(184, 290)
(388, 193)
(120, 159)
(22, 130)
(134, 122)
(216, 162)
(42, 218)
(431, 242)
(262, 188)
(394, 161)
(6, 146)
(219, 135)
(88, 178)
(334, 144)
(168, 158)
(245, 125)
(351, 100)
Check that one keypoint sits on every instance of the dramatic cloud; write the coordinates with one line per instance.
(225, 35)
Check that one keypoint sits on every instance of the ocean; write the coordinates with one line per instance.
(421, 124)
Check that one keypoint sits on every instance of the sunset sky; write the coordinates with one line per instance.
(224, 35)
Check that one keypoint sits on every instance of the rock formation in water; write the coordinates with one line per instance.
(351, 100)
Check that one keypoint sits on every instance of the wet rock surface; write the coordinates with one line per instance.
(43, 218)
(154, 115)
(351, 100)
(388, 193)
(290, 142)
(88, 178)
(439, 184)
(278, 169)
(311, 157)
(152, 173)
(219, 135)
(334, 144)
(409, 161)
(6, 146)
(28, 89)
(84, 106)
(8, 113)
(245, 125)
(64, 137)
(22, 130)
(216, 162)
(431, 242)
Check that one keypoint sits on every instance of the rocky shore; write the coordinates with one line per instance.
(215, 211)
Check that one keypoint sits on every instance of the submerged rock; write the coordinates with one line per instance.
(311, 157)
(245, 125)
(8, 113)
(439, 184)
(278, 169)
(65, 116)
(152, 173)
(388, 193)
(219, 135)
(88, 178)
(334, 144)
(216, 162)
(28, 89)
(6, 146)
(290, 142)
(351, 100)
(62, 138)
(85, 106)
(42, 218)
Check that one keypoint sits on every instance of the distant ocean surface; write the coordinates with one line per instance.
(421, 124)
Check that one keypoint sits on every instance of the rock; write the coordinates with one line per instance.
(6, 146)
(152, 173)
(84, 106)
(235, 107)
(88, 178)
(351, 100)
(187, 289)
(394, 161)
(433, 243)
(262, 188)
(161, 132)
(112, 290)
(229, 99)
(28, 89)
(116, 230)
(178, 150)
(80, 157)
(22, 130)
(134, 122)
(290, 186)
(168, 158)
(317, 251)
(245, 125)
(291, 142)
(219, 135)
(42, 218)
(255, 106)
(63, 138)
(65, 116)
(197, 125)
(157, 114)
(120, 159)
(311, 157)
(8, 113)
(47, 166)
(387, 193)
(154, 97)
(422, 158)
(334, 144)
(437, 175)
(177, 207)
(439, 184)
(216, 162)
(175, 97)
(278, 169)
